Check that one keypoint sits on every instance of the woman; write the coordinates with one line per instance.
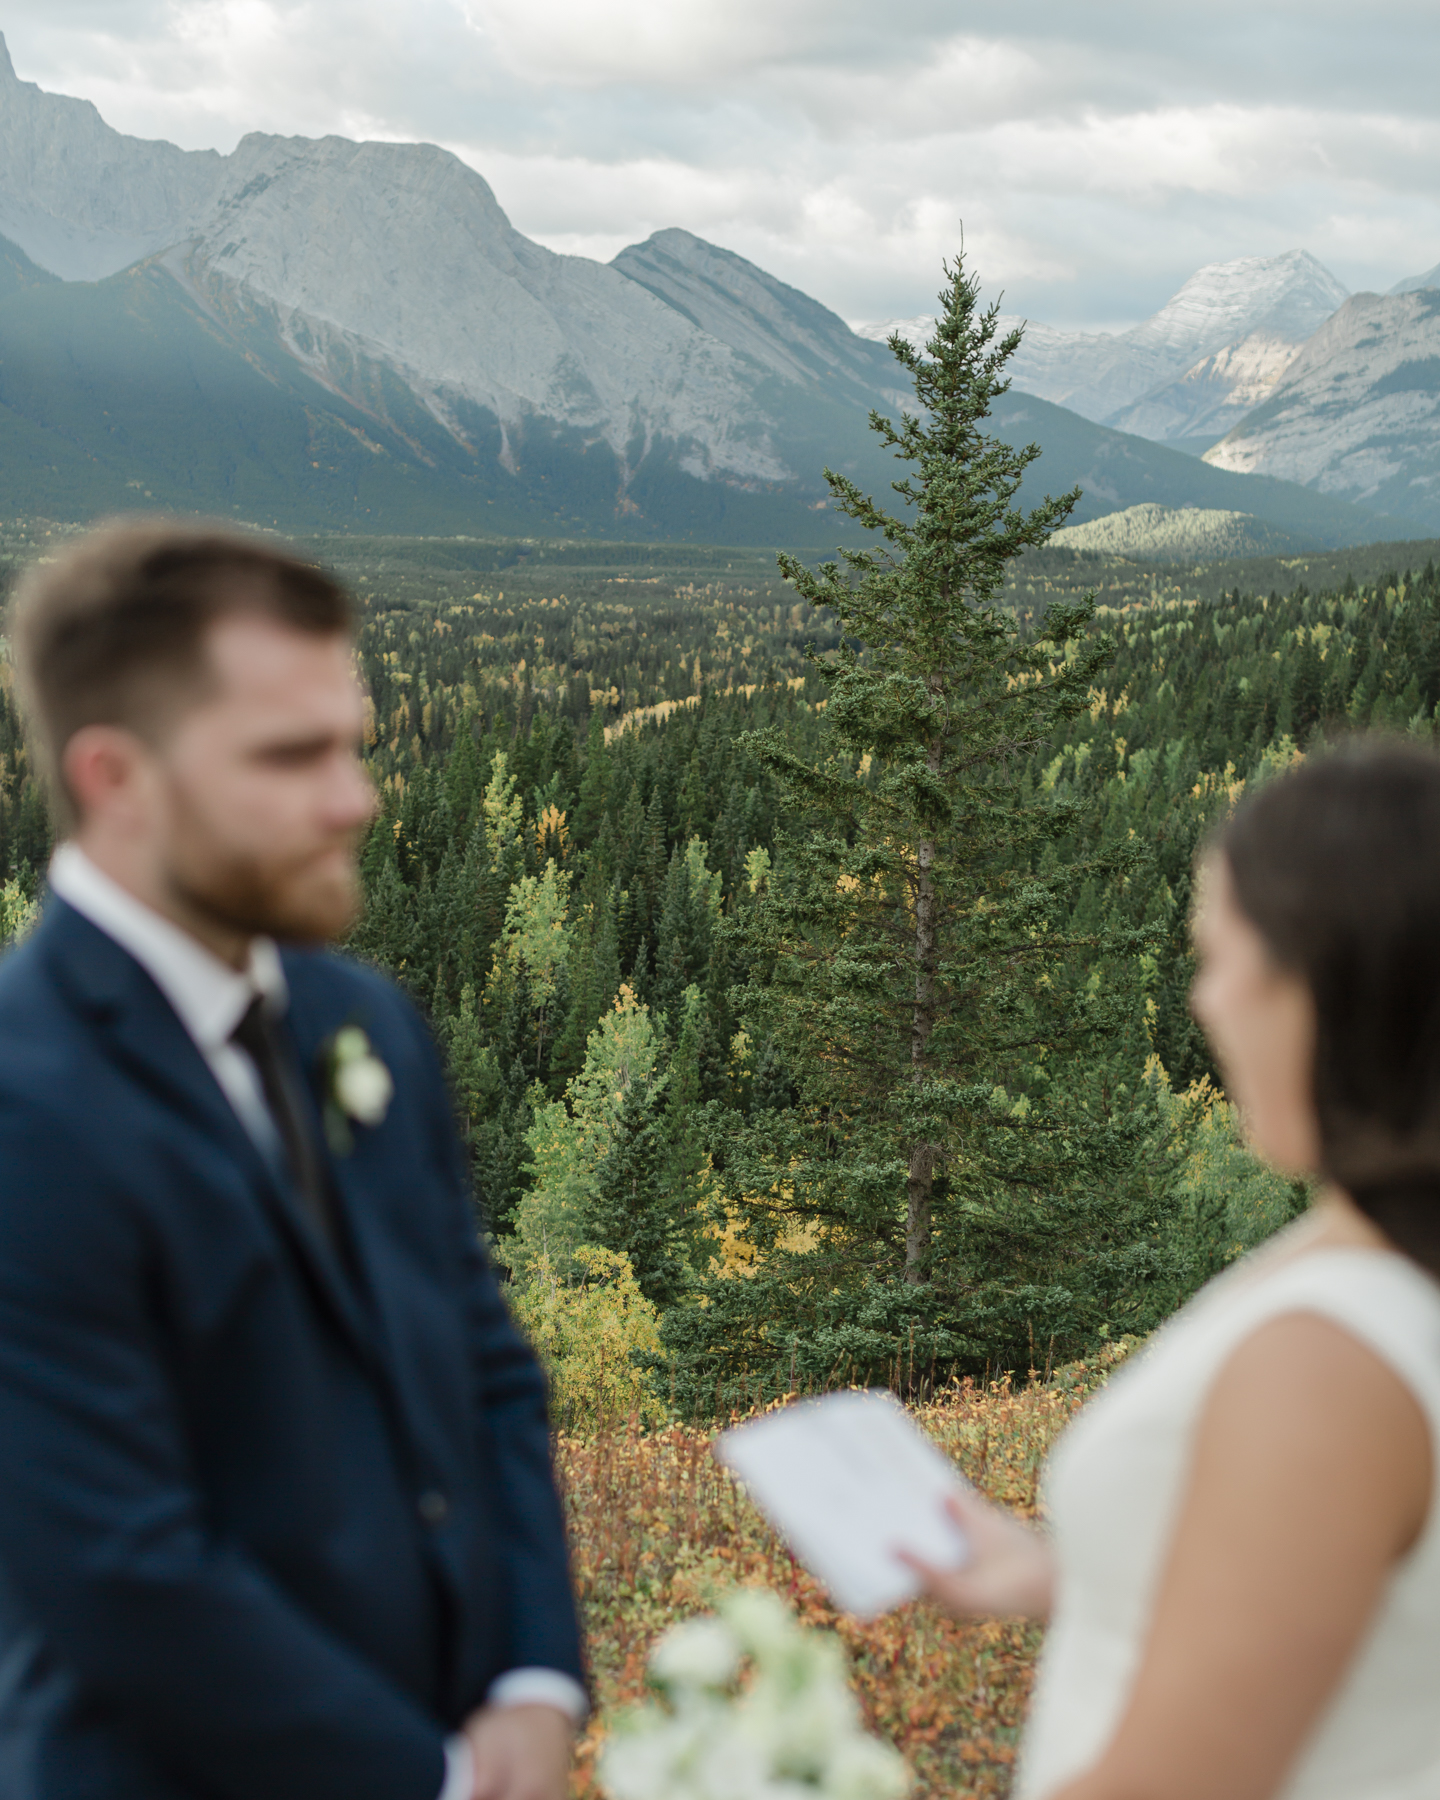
(1244, 1582)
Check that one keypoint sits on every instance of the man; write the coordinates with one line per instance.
(277, 1518)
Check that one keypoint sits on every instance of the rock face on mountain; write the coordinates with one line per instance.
(399, 254)
(1208, 399)
(760, 318)
(1357, 414)
(1200, 363)
(80, 199)
(368, 262)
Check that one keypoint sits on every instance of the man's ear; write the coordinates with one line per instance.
(103, 767)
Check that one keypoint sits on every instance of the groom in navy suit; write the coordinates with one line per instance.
(277, 1516)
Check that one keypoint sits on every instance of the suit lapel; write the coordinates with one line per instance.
(107, 982)
(364, 1182)
(352, 1176)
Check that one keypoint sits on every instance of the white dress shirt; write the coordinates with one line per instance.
(210, 998)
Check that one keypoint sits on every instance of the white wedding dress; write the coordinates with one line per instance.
(1114, 1487)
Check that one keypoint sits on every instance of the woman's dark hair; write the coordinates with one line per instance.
(1337, 865)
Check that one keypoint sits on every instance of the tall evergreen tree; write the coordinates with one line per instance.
(638, 1207)
(594, 783)
(949, 1178)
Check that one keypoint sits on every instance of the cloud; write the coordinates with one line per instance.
(1096, 155)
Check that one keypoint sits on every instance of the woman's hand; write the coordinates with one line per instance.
(1011, 1571)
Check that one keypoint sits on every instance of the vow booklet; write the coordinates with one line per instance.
(847, 1481)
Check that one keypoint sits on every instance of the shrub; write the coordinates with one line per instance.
(598, 1337)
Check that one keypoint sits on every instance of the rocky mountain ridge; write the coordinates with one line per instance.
(82, 200)
(1430, 279)
(477, 315)
(370, 259)
(1357, 413)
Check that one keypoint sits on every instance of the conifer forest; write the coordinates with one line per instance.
(807, 942)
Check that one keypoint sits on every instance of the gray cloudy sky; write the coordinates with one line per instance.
(1097, 154)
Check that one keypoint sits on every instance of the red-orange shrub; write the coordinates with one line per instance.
(658, 1529)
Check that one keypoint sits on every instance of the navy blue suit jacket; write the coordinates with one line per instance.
(265, 1531)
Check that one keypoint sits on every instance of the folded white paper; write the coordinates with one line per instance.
(847, 1481)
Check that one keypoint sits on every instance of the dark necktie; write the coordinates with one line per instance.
(257, 1036)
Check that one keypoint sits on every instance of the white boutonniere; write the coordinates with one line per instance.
(358, 1087)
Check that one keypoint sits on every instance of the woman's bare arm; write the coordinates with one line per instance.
(1312, 1477)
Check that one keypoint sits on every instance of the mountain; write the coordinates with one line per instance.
(486, 327)
(1412, 282)
(1357, 414)
(111, 394)
(1261, 309)
(315, 333)
(1118, 471)
(1193, 369)
(389, 276)
(80, 199)
(761, 318)
(1135, 380)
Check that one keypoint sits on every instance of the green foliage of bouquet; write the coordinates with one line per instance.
(792, 1731)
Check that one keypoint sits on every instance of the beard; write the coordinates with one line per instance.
(263, 896)
(302, 896)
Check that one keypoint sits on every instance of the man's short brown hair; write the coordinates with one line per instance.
(113, 631)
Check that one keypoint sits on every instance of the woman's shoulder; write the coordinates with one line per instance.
(1146, 1417)
(1379, 1296)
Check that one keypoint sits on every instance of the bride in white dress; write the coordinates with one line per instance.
(1243, 1571)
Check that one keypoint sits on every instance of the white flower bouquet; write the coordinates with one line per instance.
(791, 1732)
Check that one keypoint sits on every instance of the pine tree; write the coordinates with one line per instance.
(570, 1140)
(948, 1167)
(690, 904)
(385, 933)
(1305, 698)
(594, 783)
(638, 1209)
(464, 778)
(535, 945)
(594, 979)
(684, 1133)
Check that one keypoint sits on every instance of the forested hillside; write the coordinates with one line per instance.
(582, 841)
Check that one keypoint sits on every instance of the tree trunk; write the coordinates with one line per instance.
(920, 1184)
(919, 1189)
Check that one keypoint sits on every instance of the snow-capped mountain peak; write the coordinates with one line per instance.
(1288, 296)
(1211, 352)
